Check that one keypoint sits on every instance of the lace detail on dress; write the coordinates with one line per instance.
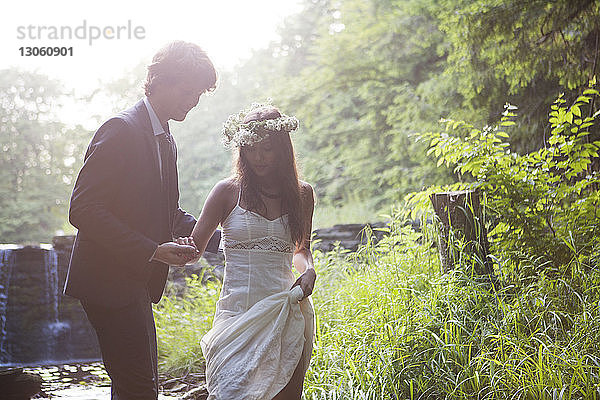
(267, 243)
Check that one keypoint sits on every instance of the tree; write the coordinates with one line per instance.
(524, 52)
(39, 160)
(360, 98)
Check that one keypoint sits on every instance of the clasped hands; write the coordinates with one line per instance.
(180, 252)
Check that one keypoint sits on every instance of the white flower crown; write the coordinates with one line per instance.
(238, 134)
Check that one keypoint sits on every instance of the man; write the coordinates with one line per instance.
(125, 205)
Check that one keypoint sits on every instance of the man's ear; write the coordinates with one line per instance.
(159, 85)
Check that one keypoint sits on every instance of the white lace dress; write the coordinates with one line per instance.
(260, 332)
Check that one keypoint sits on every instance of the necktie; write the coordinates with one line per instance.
(165, 147)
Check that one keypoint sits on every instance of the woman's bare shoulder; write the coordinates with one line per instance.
(306, 189)
(307, 193)
(226, 187)
(225, 193)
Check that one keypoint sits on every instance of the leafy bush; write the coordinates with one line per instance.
(544, 205)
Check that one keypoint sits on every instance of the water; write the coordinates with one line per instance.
(88, 381)
(38, 325)
(57, 331)
(54, 328)
(7, 262)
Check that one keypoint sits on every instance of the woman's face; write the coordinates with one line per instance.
(261, 158)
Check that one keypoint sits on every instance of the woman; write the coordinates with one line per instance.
(261, 341)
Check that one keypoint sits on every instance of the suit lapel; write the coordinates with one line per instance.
(151, 149)
(149, 137)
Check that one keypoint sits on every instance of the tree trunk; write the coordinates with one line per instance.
(463, 236)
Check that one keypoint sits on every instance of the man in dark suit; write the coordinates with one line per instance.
(125, 205)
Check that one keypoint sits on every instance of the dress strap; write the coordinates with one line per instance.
(239, 195)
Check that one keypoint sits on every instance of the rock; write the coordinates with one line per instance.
(18, 385)
(348, 236)
(63, 242)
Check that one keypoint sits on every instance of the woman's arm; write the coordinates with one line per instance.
(303, 259)
(214, 211)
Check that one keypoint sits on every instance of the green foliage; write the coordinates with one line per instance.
(39, 158)
(523, 42)
(389, 326)
(367, 75)
(181, 321)
(544, 203)
(528, 50)
(357, 100)
(353, 211)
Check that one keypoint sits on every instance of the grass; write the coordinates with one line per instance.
(182, 318)
(391, 326)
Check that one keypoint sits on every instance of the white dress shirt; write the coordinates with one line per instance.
(157, 128)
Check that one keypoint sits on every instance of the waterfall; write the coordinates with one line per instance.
(38, 325)
(30, 327)
(7, 262)
(51, 270)
(54, 328)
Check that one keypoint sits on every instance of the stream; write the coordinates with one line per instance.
(86, 381)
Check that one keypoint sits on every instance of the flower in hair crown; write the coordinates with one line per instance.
(236, 133)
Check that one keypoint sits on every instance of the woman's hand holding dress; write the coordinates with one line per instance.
(306, 281)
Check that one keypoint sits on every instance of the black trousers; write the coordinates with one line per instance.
(127, 338)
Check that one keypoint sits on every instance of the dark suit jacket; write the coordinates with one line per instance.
(122, 214)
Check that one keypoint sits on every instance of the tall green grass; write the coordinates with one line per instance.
(182, 318)
(391, 326)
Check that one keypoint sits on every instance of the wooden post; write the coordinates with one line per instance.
(462, 224)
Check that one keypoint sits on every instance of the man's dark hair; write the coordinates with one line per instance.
(179, 60)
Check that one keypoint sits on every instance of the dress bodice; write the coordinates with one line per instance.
(258, 259)
(247, 230)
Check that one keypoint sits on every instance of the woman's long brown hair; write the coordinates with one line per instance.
(286, 178)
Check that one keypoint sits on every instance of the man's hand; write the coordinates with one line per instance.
(172, 253)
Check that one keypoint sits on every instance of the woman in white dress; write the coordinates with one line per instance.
(261, 341)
